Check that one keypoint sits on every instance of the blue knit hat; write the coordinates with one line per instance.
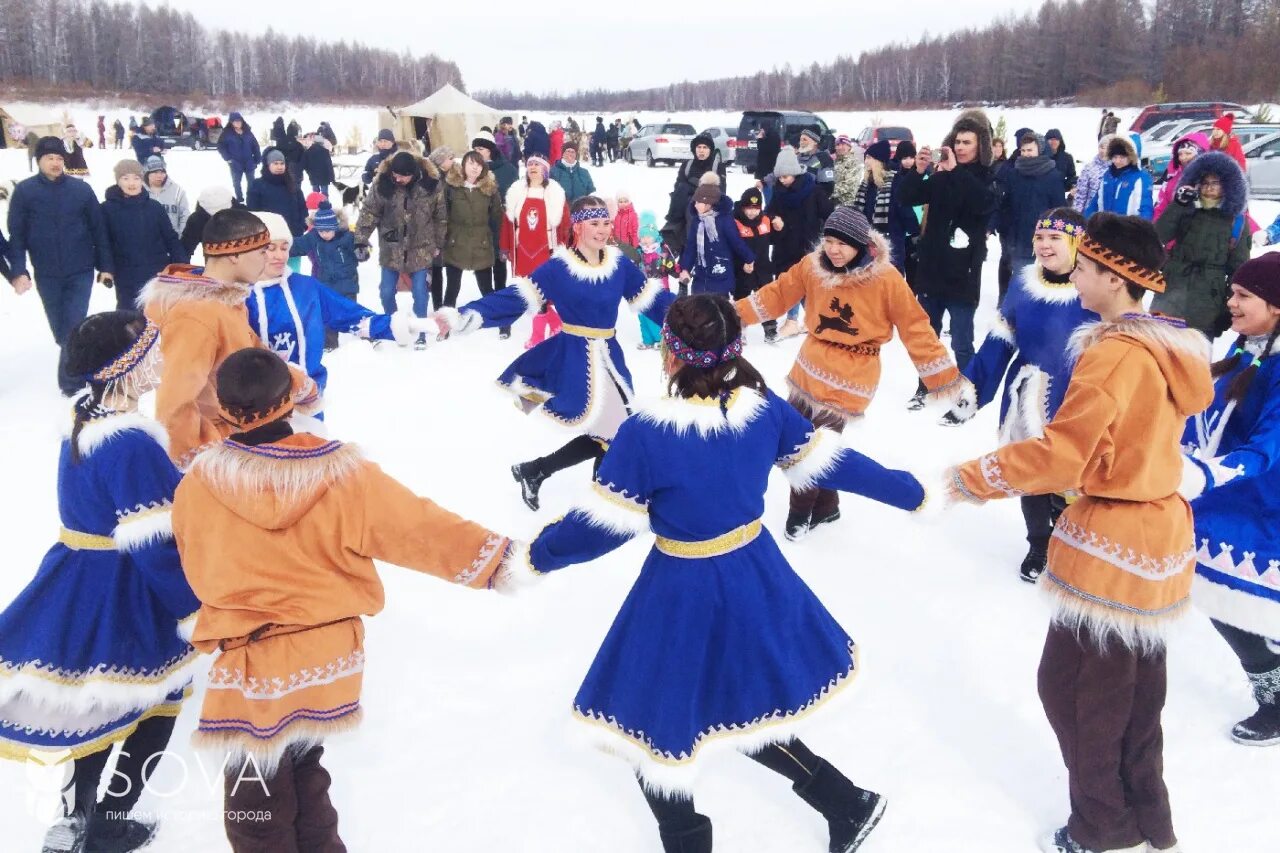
(325, 218)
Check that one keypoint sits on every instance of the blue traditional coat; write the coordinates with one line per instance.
(1235, 450)
(567, 374)
(719, 643)
(1026, 350)
(92, 645)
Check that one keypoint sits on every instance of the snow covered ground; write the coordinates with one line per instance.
(467, 746)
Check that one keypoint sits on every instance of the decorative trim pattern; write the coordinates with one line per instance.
(492, 544)
(612, 509)
(143, 527)
(933, 368)
(833, 381)
(809, 462)
(757, 305)
(1126, 559)
(993, 476)
(293, 473)
(251, 687)
(647, 295)
(516, 573)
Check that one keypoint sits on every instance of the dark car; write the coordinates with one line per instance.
(175, 129)
(789, 125)
(872, 135)
(1153, 114)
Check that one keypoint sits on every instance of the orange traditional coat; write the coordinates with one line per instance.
(278, 542)
(1122, 557)
(202, 321)
(849, 317)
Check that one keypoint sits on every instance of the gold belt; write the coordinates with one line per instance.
(586, 331)
(723, 544)
(77, 541)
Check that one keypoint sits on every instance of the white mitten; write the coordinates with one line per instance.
(423, 326)
(402, 328)
(516, 572)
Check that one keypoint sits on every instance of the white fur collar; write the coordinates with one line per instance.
(98, 431)
(1143, 326)
(586, 272)
(882, 261)
(703, 414)
(165, 291)
(552, 197)
(1044, 291)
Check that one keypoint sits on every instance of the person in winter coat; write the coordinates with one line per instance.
(474, 212)
(239, 148)
(326, 131)
(163, 189)
(796, 212)
(536, 222)
(277, 533)
(384, 145)
(904, 224)
(850, 165)
(537, 141)
(277, 191)
(713, 249)
(599, 142)
(317, 162)
(293, 151)
(1089, 181)
(626, 222)
(145, 143)
(953, 240)
(1057, 151)
(1206, 226)
(1185, 149)
(1222, 139)
(57, 221)
(872, 196)
(768, 146)
(659, 265)
(706, 159)
(1126, 186)
(506, 174)
(140, 235)
(1110, 124)
(331, 245)
(73, 158)
(407, 210)
(571, 175)
(817, 161)
(756, 230)
(211, 200)
(1030, 187)
(118, 134)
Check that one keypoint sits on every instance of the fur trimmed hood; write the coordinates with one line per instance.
(1235, 191)
(429, 174)
(488, 184)
(179, 283)
(880, 259)
(1181, 353)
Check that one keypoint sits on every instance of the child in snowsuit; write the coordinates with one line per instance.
(1122, 556)
(713, 250)
(756, 230)
(332, 249)
(658, 265)
(626, 224)
(278, 532)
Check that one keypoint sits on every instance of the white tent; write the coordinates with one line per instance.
(454, 117)
(20, 120)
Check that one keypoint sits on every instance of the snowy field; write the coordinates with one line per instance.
(467, 745)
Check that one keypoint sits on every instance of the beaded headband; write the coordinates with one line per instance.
(1069, 228)
(589, 214)
(1127, 268)
(704, 358)
(130, 358)
(238, 246)
(250, 420)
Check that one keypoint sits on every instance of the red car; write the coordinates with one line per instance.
(895, 135)
(1153, 114)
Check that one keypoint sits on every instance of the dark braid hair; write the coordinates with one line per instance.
(707, 321)
(96, 342)
(1240, 385)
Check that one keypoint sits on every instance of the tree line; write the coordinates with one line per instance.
(1109, 51)
(99, 47)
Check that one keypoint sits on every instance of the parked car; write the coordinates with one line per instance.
(872, 135)
(726, 139)
(176, 129)
(1157, 159)
(1263, 159)
(788, 124)
(661, 143)
(1167, 131)
(1153, 114)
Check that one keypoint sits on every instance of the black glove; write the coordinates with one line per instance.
(362, 252)
(1186, 195)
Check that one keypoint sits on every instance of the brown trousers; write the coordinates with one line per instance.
(291, 813)
(1104, 705)
(816, 501)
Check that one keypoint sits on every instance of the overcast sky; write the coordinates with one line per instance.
(524, 45)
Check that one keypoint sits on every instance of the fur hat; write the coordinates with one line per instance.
(49, 145)
(129, 167)
(787, 164)
(438, 156)
(879, 151)
(1121, 146)
(404, 163)
(906, 148)
(849, 225)
(485, 140)
(751, 198)
(977, 123)
(1261, 276)
(325, 219)
(276, 226)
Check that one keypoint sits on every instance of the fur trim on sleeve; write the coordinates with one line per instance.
(144, 527)
(99, 431)
(816, 457)
(516, 573)
(615, 511)
(643, 300)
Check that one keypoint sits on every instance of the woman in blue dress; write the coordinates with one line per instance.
(91, 651)
(579, 377)
(1233, 449)
(1025, 358)
(719, 645)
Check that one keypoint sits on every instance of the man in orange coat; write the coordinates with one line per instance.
(278, 532)
(1122, 557)
(202, 318)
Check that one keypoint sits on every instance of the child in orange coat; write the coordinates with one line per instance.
(857, 300)
(1122, 557)
(278, 533)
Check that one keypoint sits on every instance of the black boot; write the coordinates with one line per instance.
(798, 524)
(118, 834)
(917, 401)
(824, 517)
(1263, 727)
(690, 839)
(1033, 565)
(851, 812)
(530, 476)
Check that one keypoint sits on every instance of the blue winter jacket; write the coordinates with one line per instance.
(334, 261)
(141, 236)
(1030, 187)
(145, 146)
(537, 141)
(1273, 232)
(716, 271)
(240, 149)
(279, 194)
(291, 314)
(1127, 192)
(575, 181)
(371, 165)
(59, 223)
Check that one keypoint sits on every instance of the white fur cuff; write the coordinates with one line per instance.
(816, 457)
(1194, 479)
(516, 574)
(615, 511)
(142, 529)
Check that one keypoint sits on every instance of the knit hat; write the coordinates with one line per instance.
(404, 163)
(707, 194)
(843, 139)
(787, 164)
(881, 151)
(155, 163)
(1261, 277)
(386, 134)
(438, 156)
(127, 167)
(325, 219)
(276, 226)
(314, 199)
(848, 225)
(273, 155)
(484, 139)
(214, 198)
(1226, 123)
(49, 145)
(906, 148)
(569, 146)
(752, 198)
(811, 134)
